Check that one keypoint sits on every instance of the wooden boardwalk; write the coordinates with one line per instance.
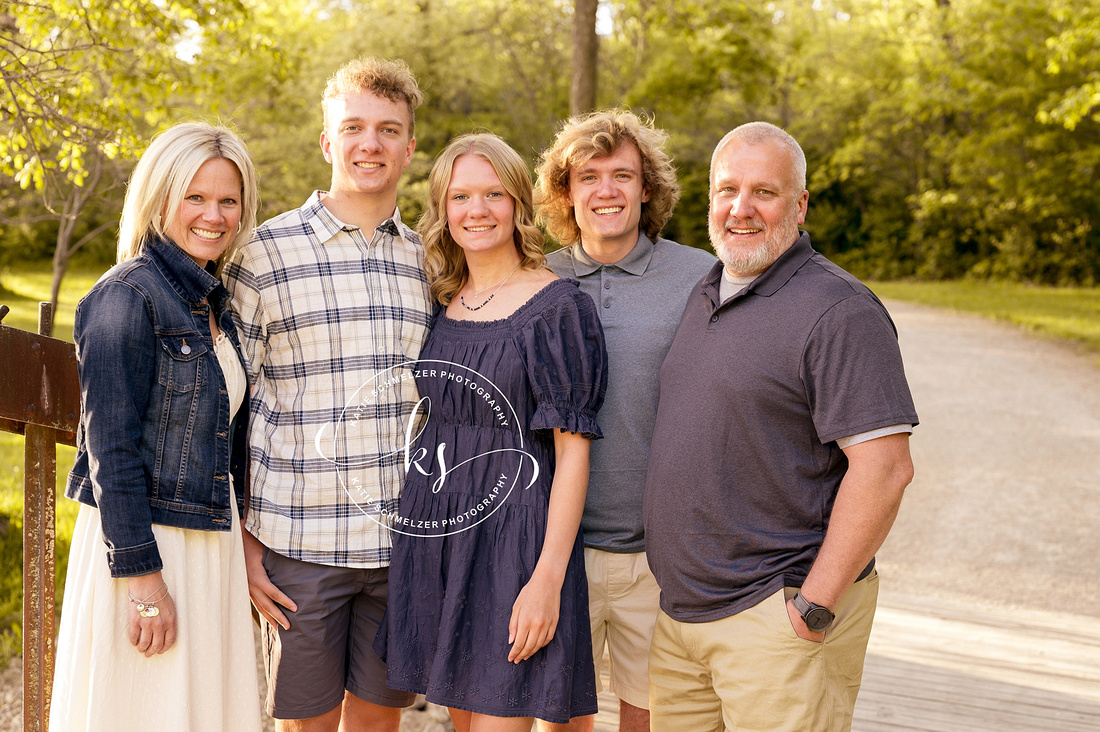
(947, 668)
(939, 667)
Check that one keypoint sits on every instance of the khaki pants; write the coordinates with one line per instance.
(751, 672)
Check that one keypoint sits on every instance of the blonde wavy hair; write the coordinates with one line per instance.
(444, 260)
(164, 172)
(595, 135)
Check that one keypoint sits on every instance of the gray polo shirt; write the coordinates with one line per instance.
(755, 391)
(640, 300)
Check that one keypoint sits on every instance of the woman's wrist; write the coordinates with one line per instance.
(145, 584)
(146, 591)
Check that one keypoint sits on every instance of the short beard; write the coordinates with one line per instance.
(745, 262)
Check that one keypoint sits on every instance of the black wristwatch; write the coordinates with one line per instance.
(816, 617)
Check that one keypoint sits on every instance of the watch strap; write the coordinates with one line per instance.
(801, 604)
(805, 607)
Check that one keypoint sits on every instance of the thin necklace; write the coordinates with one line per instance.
(478, 292)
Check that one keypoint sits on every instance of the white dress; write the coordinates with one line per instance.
(207, 681)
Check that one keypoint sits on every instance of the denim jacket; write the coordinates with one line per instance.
(155, 444)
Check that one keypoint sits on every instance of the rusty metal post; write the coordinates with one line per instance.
(39, 399)
(38, 576)
(45, 319)
(39, 535)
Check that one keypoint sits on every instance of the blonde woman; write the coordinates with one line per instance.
(488, 605)
(156, 630)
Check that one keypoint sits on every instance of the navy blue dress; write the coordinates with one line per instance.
(473, 511)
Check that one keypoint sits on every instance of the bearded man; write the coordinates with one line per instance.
(778, 462)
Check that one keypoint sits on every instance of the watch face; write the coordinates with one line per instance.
(818, 619)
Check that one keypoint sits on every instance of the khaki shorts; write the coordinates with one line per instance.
(328, 648)
(750, 671)
(623, 599)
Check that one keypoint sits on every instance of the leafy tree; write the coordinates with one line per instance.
(85, 84)
(699, 68)
(1014, 190)
(945, 138)
(1074, 51)
(266, 78)
(934, 139)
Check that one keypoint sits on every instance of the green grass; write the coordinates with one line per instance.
(1067, 313)
(11, 538)
(21, 290)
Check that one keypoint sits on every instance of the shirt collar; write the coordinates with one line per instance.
(190, 281)
(635, 262)
(326, 225)
(774, 277)
(770, 280)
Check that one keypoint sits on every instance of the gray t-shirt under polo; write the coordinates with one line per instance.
(640, 300)
(755, 391)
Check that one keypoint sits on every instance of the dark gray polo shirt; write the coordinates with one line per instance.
(640, 300)
(754, 392)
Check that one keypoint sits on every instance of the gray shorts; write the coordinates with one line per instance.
(328, 647)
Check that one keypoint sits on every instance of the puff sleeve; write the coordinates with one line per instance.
(566, 363)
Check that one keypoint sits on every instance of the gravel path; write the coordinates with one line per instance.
(1004, 505)
(1003, 508)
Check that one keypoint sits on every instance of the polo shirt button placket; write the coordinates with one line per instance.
(714, 318)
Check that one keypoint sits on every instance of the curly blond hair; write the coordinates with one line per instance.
(599, 134)
(444, 260)
(390, 79)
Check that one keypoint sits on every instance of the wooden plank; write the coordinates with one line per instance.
(937, 667)
(897, 695)
(1031, 649)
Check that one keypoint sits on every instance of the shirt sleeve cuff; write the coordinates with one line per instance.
(846, 442)
(134, 561)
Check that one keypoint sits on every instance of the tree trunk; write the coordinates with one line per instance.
(70, 214)
(61, 256)
(586, 44)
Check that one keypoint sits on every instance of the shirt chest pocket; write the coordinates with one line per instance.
(181, 363)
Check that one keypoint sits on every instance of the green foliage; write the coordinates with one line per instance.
(1070, 313)
(93, 77)
(491, 65)
(1010, 193)
(269, 77)
(944, 138)
(86, 83)
(943, 156)
(22, 239)
(698, 69)
(1074, 51)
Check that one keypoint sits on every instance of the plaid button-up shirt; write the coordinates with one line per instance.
(326, 316)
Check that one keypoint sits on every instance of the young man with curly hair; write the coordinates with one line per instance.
(606, 189)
